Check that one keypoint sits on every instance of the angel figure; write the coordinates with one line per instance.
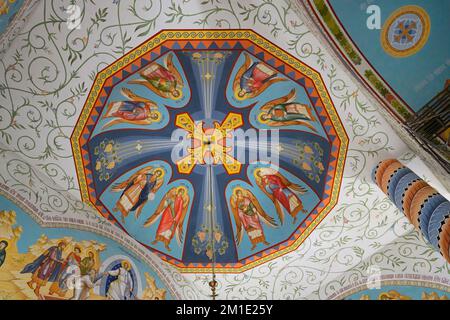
(172, 209)
(252, 79)
(282, 192)
(248, 214)
(285, 112)
(137, 190)
(165, 81)
(137, 110)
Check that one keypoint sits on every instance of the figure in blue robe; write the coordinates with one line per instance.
(136, 191)
(46, 268)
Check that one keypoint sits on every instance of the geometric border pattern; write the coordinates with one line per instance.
(216, 39)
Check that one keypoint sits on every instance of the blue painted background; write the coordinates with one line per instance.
(5, 19)
(32, 232)
(402, 74)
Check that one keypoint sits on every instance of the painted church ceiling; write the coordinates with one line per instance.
(75, 133)
(156, 153)
(13, 17)
(388, 41)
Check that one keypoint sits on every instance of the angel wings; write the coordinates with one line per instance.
(285, 112)
(282, 192)
(172, 210)
(165, 80)
(252, 79)
(137, 189)
(151, 291)
(137, 110)
(248, 215)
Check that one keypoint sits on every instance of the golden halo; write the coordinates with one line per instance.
(260, 119)
(161, 170)
(236, 189)
(255, 172)
(419, 44)
(236, 95)
(182, 188)
(179, 96)
(64, 242)
(158, 116)
(126, 265)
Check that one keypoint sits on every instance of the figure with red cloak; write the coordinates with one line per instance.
(248, 214)
(282, 192)
(172, 209)
(137, 110)
(253, 78)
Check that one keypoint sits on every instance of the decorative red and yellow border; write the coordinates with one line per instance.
(250, 41)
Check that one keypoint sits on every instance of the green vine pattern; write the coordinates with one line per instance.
(44, 80)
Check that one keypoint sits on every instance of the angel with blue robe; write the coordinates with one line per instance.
(137, 190)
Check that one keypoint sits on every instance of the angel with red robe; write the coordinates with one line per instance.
(172, 209)
(285, 112)
(165, 80)
(137, 110)
(253, 78)
(282, 192)
(137, 190)
(248, 215)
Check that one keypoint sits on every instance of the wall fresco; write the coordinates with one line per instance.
(61, 263)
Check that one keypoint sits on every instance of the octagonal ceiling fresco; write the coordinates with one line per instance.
(153, 153)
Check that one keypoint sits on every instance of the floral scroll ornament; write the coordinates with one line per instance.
(106, 158)
(310, 160)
